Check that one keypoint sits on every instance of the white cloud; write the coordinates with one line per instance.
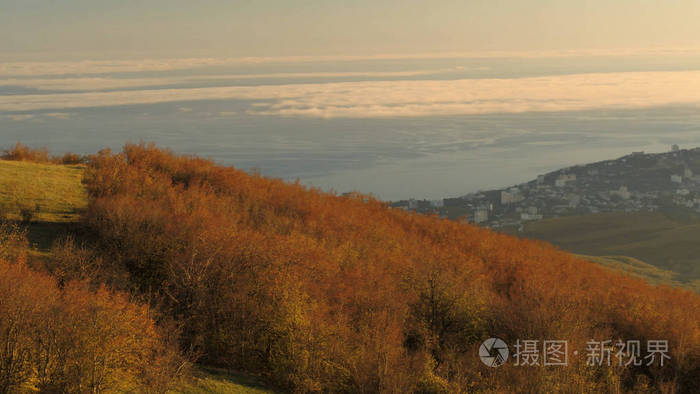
(110, 83)
(58, 115)
(19, 117)
(15, 69)
(38, 117)
(410, 97)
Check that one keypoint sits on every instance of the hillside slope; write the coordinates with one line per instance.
(54, 196)
(320, 292)
(660, 239)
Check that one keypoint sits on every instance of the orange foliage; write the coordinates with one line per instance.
(329, 293)
(21, 152)
(71, 339)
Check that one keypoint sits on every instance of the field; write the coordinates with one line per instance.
(46, 192)
(47, 197)
(212, 380)
(661, 246)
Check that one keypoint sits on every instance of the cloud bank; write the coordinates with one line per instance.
(92, 67)
(108, 83)
(408, 98)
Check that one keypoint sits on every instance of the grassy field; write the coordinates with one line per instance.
(668, 242)
(638, 268)
(51, 193)
(48, 198)
(212, 380)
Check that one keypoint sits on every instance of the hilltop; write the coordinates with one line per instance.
(638, 182)
(314, 292)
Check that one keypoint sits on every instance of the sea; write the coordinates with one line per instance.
(396, 127)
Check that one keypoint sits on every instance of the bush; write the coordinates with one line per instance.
(13, 242)
(76, 340)
(72, 261)
(69, 158)
(21, 152)
(27, 213)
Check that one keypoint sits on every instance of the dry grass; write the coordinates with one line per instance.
(212, 380)
(43, 192)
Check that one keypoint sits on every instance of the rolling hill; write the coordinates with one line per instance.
(660, 239)
(314, 292)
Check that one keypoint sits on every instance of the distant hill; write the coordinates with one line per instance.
(644, 207)
(638, 182)
(660, 239)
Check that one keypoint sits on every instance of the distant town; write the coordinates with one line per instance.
(636, 182)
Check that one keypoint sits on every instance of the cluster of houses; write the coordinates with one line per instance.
(635, 182)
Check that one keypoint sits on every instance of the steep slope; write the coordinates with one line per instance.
(326, 293)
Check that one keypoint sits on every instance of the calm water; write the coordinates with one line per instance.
(393, 157)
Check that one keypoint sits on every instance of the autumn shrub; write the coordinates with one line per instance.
(21, 152)
(69, 158)
(323, 293)
(75, 340)
(27, 213)
(13, 241)
(72, 260)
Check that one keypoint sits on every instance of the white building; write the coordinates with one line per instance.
(511, 196)
(622, 192)
(528, 216)
(676, 179)
(437, 203)
(481, 215)
(563, 179)
(412, 204)
(573, 199)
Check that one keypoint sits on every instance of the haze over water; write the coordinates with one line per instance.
(395, 127)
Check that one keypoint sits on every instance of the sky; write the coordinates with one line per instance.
(100, 29)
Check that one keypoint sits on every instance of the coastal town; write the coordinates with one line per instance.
(635, 182)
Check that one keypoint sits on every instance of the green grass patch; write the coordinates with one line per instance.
(213, 380)
(665, 241)
(41, 192)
